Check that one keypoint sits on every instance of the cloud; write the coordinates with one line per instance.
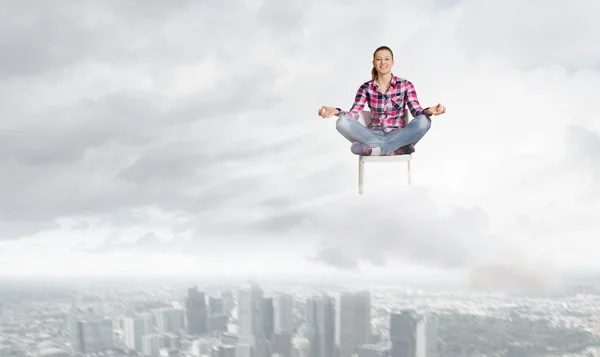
(336, 258)
(201, 116)
(15, 229)
(406, 227)
(530, 280)
(149, 242)
(528, 32)
(410, 229)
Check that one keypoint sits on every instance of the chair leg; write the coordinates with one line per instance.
(409, 174)
(361, 174)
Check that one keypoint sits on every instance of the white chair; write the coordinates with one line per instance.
(365, 119)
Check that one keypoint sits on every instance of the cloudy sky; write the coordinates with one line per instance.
(151, 137)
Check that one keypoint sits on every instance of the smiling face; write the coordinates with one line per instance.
(383, 60)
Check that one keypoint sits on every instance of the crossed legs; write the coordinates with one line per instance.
(367, 141)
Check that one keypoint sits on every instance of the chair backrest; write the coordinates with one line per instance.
(365, 117)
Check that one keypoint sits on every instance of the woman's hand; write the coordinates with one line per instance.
(437, 110)
(328, 112)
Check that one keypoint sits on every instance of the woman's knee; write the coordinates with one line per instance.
(343, 124)
(424, 122)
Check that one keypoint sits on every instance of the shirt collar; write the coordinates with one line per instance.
(392, 82)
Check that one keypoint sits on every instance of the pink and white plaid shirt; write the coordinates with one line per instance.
(386, 109)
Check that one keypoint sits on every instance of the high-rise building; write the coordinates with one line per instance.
(251, 328)
(353, 321)
(95, 335)
(281, 344)
(432, 345)
(149, 322)
(301, 347)
(216, 305)
(320, 318)
(152, 344)
(229, 301)
(406, 327)
(196, 312)
(268, 314)
(169, 320)
(218, 316)
(90, 333)
(283, 305)
(134, 330)
(372, 350)
(76, 335)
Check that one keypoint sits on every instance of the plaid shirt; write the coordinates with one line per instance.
(386, 109)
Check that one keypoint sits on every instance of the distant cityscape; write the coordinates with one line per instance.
(254, 320)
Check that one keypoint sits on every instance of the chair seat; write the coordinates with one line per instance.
(393, 158)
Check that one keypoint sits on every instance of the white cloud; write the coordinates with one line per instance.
(207, 112)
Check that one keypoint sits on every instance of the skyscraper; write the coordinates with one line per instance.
(431, 338)
(268, 317)
(76, 336)
(283, 324)
(169, 320)
(371, 350)
(218, 316)
(196, 312)
(216, 306)
(89, 332)
(251, 319)
(320, 318)
(283, 304)
(134, 331)
(403, 333)
(94, 335)
(353, 321)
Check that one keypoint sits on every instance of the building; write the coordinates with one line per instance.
(283, 306)
(251, 318)
(320, 319)
(196, 312)
(353, 321)
(408, 335)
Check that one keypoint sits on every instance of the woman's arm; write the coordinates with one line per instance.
(360, 99)
(412, 101)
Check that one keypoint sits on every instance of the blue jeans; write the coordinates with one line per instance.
(354, 131)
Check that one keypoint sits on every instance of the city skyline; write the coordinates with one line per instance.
(152, 321)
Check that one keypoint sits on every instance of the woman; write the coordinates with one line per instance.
(387, 97)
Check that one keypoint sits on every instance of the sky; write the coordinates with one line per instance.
(182, 137)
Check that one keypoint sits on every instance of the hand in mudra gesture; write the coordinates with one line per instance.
(437, 110)
(327, 112)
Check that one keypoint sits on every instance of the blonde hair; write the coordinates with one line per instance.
(380, 48)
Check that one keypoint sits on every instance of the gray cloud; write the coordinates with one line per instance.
(411, 232)
(584, 145)
(530, 280)
(36, 37)
(405, 228)
(127, 148)
(205, 110)
(336, 258)
(149, 242)
(534, 39)
(12, 229)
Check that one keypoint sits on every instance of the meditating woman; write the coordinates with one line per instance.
(387, 97)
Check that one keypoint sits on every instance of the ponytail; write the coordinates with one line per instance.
(373, 72)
